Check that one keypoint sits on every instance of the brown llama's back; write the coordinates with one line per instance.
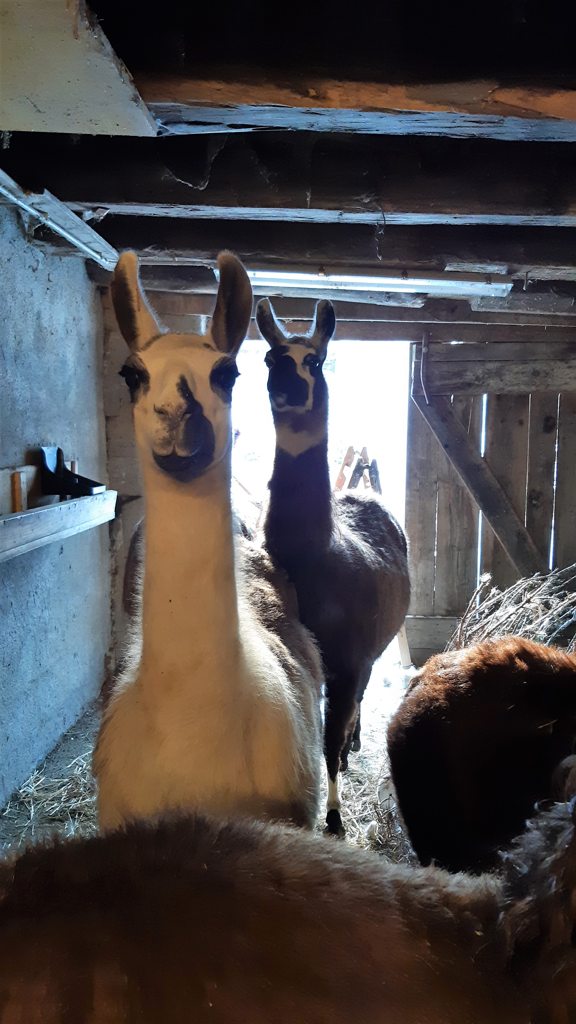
(198, 922)
(474, 746)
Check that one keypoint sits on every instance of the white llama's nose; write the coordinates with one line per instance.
(176, 399)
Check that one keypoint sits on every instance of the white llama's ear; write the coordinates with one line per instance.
(269, 326)
(323, 325)
(233, 304)
(135, 318)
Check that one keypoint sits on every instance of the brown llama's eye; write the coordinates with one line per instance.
(269, 360)
(312, 363)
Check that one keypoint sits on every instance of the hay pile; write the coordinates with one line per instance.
(45, 806)
(541, 608)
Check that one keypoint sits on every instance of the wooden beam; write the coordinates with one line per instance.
(545, 254)
(482, 485)
(508, 368)
(312, 179)
(478, 109)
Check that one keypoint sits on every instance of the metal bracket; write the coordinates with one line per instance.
(56, 478)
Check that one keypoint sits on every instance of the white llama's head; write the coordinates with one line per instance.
(181, 384)
(296, 383)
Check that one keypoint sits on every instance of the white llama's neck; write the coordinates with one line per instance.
(190, 605)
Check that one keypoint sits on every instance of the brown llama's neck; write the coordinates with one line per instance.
(190, 600)
(300, 513)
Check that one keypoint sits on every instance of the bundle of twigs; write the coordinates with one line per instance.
(541, 608)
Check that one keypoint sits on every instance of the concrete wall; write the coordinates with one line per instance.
(55, 601)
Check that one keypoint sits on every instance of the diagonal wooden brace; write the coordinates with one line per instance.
(483, 486)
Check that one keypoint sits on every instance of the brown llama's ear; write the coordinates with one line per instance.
(323, 325)
(233, 304)
(269, 326)
(135, 318)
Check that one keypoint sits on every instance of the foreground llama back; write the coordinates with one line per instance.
(346, 557)
(474, 746)
(233, 923)
(214, 711)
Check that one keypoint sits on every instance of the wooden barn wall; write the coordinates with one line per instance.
(530, 446)
(441, 518)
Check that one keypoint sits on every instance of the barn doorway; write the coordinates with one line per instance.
(369, 394)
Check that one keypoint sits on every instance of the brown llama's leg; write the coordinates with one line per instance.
(356, 741)
(341, 711)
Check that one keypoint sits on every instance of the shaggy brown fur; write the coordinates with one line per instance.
(474, 745)
(228, 923)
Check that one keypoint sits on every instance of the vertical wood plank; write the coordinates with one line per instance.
(541, 467)
(457, 523)
(565, 517)
(507, 455)
(421, 500)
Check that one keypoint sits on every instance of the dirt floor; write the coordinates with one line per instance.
(59, 797)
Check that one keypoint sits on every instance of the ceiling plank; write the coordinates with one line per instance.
(512, 339)
(501, 369)
(546, 254)
(482, 109)
(313, 179)
(428, 312)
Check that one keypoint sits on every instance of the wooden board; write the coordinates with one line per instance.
(522, 252)
(503, 368)
(565, 510)
(323, 179)
(428, 635)
(507, 419)
(480, 109)
(457, 523)
(541, 469)
(421, 510)
(22, 532)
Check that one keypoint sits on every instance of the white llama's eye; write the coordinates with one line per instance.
(135, 377)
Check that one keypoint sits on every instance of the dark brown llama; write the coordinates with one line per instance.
(474, 745)
(347, 557)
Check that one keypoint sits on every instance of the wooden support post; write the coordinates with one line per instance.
(483, 486)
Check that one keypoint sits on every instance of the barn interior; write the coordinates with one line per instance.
(416, 167)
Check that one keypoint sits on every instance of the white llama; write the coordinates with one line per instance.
(219, 708)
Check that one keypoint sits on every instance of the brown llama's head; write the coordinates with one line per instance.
(181, 384)
(296, 385)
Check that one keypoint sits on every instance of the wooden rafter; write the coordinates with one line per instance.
(479, 109)
(548, 254)
(312, 179)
